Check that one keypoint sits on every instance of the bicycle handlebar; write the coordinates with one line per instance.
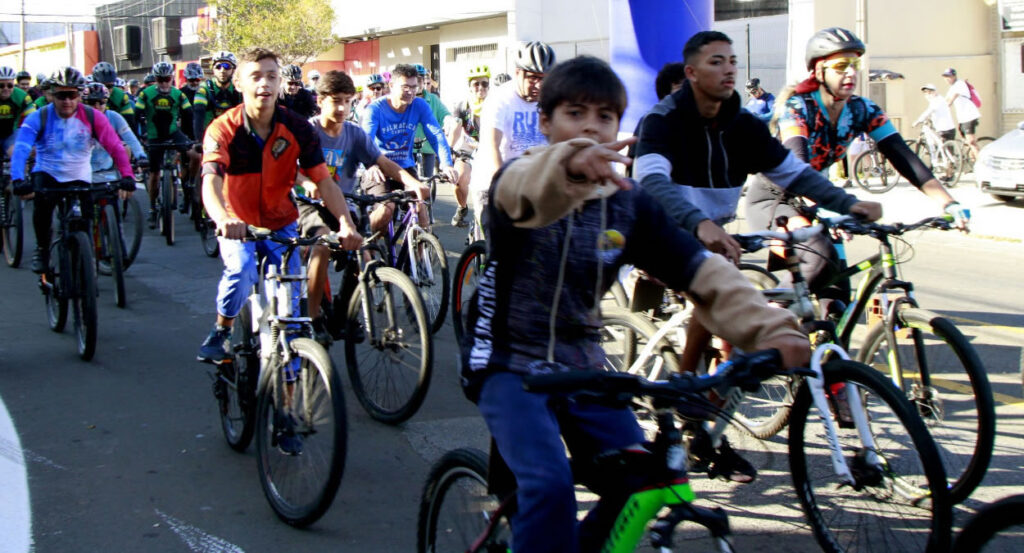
(401, 196)
(943, 222)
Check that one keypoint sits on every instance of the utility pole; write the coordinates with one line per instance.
(861, 29)
(24, 54)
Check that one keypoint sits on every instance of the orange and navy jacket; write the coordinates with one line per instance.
(258, 175)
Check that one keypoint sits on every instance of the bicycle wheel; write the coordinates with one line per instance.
(14, 230)
(872, 172)
(998, 527)
(431, 276)
(110, 243)
(208, 237)
(235, 387)
(958, 406)
(167, 207)
(900, 505)
(300, 487)
(388, 346)
(467, 274)
(758, 276)
(457, 510)
(947, 164)
(83, 294)
(131, 229)
(56, 295)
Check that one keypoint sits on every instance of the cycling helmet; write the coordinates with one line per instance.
(119, 82)
(148, 79)
(133, 82)
(535, 57)
(163, 69)
(292, 73)
(828, 41)
(479, 71)
(40, 78)
(387, 76)
(23, 75)
(374, 79)
(193, 71)
(754, 84)
(949, 72)
(68, 77)
(420, 70)
(313, 75)
(96, 92)
(104, 72)
(502, 78)
(6, 73)
(928, 86)
(224, 55)
(88, 79)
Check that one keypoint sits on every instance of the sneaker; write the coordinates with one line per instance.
(724, 462)
(459, 219)
(285, 437)
(40, 260)
(152, 219)
(213, 350)
(320, 333)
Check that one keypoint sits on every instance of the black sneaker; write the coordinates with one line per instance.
(724, 462)
(285, 437)
(152, 218)
(40, 260)
(320, 333)
(213, 350)
(459, 219)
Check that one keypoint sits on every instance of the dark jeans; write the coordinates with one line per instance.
(528, 430)
(42, 212)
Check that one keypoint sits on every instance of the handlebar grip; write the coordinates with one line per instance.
(576, 381)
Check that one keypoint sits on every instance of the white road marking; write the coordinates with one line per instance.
(197, 540)
(15, 509)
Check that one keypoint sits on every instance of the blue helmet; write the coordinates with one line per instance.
(376, 78)
(420, 70)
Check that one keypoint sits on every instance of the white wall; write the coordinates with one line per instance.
(411, 48)
(767, 49)
(354, 19)
(472, 33)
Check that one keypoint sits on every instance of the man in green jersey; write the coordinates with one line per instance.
(14, 105)
(216, 95)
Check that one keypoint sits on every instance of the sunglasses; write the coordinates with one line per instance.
(6, 85)
(376, 88)
(481, 84)
(223, 65)
(163, 79)
(66, 94)
(841, 65)
(295, 83)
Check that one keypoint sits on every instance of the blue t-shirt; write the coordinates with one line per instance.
(394, 132)
(344, 153)
(761, 107)
(103, 169)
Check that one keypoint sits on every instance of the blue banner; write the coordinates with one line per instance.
(645, 35)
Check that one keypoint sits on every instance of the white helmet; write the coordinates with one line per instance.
(6, 73)
(313, 74)
(224, 55)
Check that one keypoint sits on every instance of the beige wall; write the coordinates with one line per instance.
(471, 33)
(920, 38)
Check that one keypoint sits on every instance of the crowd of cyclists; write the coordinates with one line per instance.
(534, 159)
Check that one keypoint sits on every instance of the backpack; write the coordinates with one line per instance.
(90, 114)
(975, 99)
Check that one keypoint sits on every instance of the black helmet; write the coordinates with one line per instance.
(828, 41)
(133, 82)
(753, 83)
(104, 72)
(292, 73)
(535, 57)
(22, 75)
(163, 69)
(148, 79)
(96, 92)
(68, 77)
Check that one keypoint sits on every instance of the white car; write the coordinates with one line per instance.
(1000, 166)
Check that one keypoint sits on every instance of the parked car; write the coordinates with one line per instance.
(1000, 166)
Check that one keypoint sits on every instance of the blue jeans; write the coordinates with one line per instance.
(527, 428)
(241, 269)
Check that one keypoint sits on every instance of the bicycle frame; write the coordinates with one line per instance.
(408, 228)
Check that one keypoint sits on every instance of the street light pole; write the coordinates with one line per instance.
(23, 53)
(861, 29)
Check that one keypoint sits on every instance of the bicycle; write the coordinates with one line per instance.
(71, 277)
(967, 154)
(894, 464)
(872, 172)
(170, 183)
(107, 239)
(943, 157)
(416, 252)
(380, 314)
(997, 527)
(11, 219)
(469, 496)
(278, 384)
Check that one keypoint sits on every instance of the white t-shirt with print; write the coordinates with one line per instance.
(519, 123)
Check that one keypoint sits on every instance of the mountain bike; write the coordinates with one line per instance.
(872, 172)
(468, 270)
(469, 497)
(11, 219)
(107, 239)
(280, 384)
(379, 313)
(416, 252)
(942, 157)
(998, 527)
(71, 275)
(170, 184)
(967, 154)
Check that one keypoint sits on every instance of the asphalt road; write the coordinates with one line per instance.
(125, 453)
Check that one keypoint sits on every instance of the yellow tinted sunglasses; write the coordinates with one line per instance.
(841, 65)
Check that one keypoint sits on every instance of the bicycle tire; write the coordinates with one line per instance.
(841, 516)
(300, 488)
(208, 237)
(131, 229)
(956, 158)
(14, 230)
(871, 164)
(467, 274)
(83, 295)
(55, 297)
(992, 522)
(167, 208)
(434, 288)
(110, 241)
(965, 437)
(761, 278)
(456, 507)
(239, 380)
(391, 387)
